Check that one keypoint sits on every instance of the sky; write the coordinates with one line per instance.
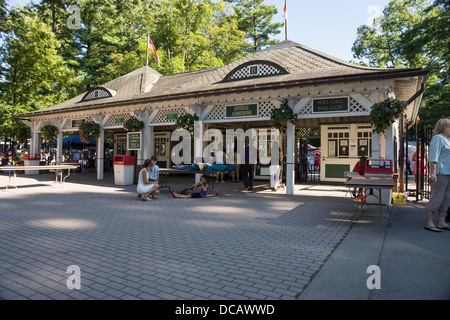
(329, 26)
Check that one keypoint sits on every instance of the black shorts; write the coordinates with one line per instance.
(196, 195)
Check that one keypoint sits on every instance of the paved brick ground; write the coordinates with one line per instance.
(259, 245)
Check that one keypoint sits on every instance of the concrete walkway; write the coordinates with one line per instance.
(259, 245)
(414, 264)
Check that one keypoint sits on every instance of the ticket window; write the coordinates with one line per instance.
(365, 144)
(338, 144)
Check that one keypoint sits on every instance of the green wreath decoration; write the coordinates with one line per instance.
(23, 134)
(384, 114)
(186, 121)
(282, 115)
(133, 124)
(49, 133)
(88, 130)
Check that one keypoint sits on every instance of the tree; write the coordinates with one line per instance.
(412, 34)
(431, 38)
(255, 19)
(33, 75)
(194, 35)
(112, 36)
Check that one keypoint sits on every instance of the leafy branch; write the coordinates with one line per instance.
(89, 130)
(282, 115)
(384, 113)
(133, 124)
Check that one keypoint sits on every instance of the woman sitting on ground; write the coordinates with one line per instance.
(146, 187)
(204, 184)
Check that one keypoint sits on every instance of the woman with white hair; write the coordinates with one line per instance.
(439, 160)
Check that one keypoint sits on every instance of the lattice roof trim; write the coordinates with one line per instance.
(255, 69)
(98, 93)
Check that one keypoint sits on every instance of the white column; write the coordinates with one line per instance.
(148, 134)
(290, 157)
(198, 145)
(100, 153)
(34, 141)
(375, 146)
(390, 134)
(143, 154)
(150, 142)
(35, 146)
(59, 146)
(101, 120)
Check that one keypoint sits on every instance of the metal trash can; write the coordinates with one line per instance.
(123, 170)
(379, 167)
(31, 160)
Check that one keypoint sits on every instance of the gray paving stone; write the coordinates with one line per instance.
(263, 246)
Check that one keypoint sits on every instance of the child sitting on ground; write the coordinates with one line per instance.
(204, 184)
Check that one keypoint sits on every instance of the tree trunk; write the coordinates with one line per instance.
(53, 16)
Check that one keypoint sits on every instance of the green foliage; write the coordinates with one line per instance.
(186, 121)
(282, 115)
(34, 75)
(414, 34)
(49, 133)
(255, 19)
(382, 43)
(43, 62)
(23, 133)
(193, 35)
(133, 124)
(384, 114)
(88, 130)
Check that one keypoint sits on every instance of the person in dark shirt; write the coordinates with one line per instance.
(248, 167)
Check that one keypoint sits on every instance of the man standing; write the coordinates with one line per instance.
(248, 167)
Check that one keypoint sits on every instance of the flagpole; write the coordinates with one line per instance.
(285, 21)
(286, 29)
(146, 63)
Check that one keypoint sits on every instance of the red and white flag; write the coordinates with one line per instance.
(285, 14)
(150, 45)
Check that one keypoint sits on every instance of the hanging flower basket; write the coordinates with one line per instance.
(282, 115)
(88, 130)
(133, 124)
(186, 121)
(384, 114)
(49, 133)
